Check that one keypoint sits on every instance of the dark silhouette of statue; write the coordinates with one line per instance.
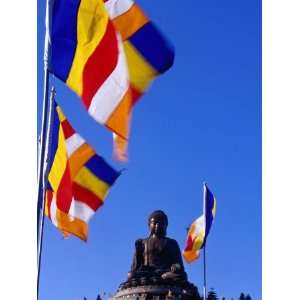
(157, 255)
(157, 269)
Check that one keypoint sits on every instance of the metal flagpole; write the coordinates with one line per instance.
(44, 116)
(204, 256)
(42, 148)
(43, 190)
(204, 271)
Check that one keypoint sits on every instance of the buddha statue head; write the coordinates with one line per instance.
(158, 222)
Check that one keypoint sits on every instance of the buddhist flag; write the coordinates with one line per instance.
(78, 179)
(87, 54)
(108, 54)
(200, 228)
(148, 54)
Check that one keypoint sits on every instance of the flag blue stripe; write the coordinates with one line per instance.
(100, 168)
(209, 205)
(63, 33)
(154, 47)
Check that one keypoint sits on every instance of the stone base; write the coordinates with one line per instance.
(161, 292)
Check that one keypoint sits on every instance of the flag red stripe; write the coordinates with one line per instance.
(67, 129)
(100, 64)
(85, 196)
(189, 244)
(136, 95)
(64, 191)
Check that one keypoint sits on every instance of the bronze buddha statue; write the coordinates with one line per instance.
(157, 255)
(157, 270)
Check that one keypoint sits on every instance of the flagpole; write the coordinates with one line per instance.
(204, 273)
(42, 141)
(204, 255)
(42, 149)
(43, 189)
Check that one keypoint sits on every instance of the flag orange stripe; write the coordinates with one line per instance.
(130, 22)
(79, 158)
(119, 119)
(72, 225)
(49, 196)
(190, 256)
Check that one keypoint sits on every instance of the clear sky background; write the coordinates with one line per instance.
(201, 121)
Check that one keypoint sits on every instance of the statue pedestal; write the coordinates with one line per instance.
(157, 292)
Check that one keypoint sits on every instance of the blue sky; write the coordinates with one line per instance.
(201, 121)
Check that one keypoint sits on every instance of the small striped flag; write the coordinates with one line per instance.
(200, 228)
(78, 179)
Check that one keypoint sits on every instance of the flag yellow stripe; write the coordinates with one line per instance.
(47, 214)
(60, 113)
(214, 208)
(141, 73)
(60, 162)
(88, 180)
(198, 241)
(92, 21)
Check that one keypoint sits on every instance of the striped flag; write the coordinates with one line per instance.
(200, 228)
(148, 54)
(78, 179)
(108, 54)
(87, 54)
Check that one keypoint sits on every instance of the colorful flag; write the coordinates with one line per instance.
(78, 179)
(87, 54)
(108, 55)
(147, 51)
(200, 228)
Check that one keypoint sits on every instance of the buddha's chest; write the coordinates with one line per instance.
(156, 252)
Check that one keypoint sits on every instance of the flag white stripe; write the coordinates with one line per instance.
(116, 8)
(53, 209)
(110, 94)
(199, 226)
(73, 143)
(80, 210)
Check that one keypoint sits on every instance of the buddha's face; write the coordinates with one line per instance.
(158, 226)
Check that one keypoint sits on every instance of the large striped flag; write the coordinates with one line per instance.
(108, 54)
(78, 179)
(200, 228)
(148, 52)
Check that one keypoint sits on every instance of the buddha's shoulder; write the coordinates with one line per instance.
(171, 241)
(140, 241)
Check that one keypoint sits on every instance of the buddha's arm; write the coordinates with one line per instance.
(138, 256)
(177, 258)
